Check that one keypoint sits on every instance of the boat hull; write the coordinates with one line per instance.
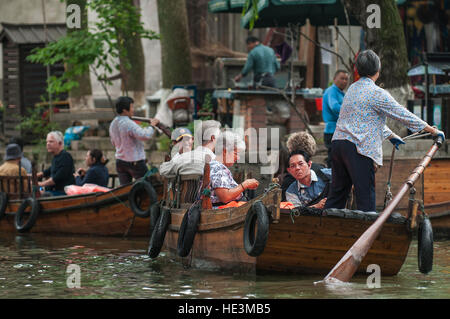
(304, 244)
(99, 214)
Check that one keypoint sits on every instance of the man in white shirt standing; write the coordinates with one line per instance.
(127, 137)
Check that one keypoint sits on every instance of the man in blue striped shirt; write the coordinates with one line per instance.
(331, 105)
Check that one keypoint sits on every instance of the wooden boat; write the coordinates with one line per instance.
(307, 241)
(439, 214)
(102, 214)
(432, 189)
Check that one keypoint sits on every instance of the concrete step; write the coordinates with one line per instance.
(92, 142)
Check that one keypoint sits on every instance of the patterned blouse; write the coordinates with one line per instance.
(220, 177)
(362, 119)
(127, 137)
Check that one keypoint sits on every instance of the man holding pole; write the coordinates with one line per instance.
(360, 131)
(127, 137)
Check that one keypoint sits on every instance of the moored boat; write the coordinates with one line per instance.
(111, 213)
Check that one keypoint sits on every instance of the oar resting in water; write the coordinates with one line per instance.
(347, 266)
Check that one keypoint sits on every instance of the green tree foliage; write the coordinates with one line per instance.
(36, 125)
(251, 5)
(100, 46)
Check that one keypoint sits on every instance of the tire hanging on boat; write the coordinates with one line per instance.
(3, 203)
(155, 212)
(159, 233)
(425, 246)
(188, 229)
(134, 194)
(18, 220)
(256, 229)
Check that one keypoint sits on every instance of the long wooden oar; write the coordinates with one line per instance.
(347, 266)
(162, 127)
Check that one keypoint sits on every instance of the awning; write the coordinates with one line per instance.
(420, 70)
(32, 33)
(226, 6)
(281, 13)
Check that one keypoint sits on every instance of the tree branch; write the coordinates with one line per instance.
(292, 104)
(328, 50)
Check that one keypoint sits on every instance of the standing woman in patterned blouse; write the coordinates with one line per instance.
(224, 187)
(360, 131)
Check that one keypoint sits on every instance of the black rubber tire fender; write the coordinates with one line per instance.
(155, 212)
(22, 227)
(256, 229)
(159, 233)
(425, 246)
(3, 204)
(137, 188)
(188, 229)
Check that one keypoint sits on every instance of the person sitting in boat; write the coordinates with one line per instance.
(224, 187)
(207, 133)
(24, 162)
(182, 140)
(11, 166)
(60, 173)
(299, 141)
(311, 186)
(97, 172)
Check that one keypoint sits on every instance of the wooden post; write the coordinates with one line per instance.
(206, 199)
(34, 188)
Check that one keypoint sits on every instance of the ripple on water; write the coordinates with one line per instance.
(118, 268)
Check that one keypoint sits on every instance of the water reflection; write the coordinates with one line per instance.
(34, 266)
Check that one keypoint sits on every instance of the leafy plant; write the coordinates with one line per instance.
(207, 107)
(163, 143)
(253, 6)
(36, 125)
(100, 46)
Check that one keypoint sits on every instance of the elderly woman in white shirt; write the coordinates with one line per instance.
(356, 146)
(224, 187)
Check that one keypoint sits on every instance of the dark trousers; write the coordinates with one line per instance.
(126, 171)
(266, 79)
(351, 168)
(327, 141)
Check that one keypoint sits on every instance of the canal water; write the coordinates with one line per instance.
(39, 266)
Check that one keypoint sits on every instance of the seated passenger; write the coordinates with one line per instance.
(310, 187)
(192, 162)
(25, 162)
(11, 166)
(300, 141)
(182, 140)
(224, 187)
(60, 173)
(97, 172)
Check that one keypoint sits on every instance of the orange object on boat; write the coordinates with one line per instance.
(286, 205)
(85, 189)
(232, 204)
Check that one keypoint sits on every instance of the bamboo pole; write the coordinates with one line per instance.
(347, 266)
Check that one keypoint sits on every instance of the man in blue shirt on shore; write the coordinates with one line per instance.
(331, 106)
(262, 61)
